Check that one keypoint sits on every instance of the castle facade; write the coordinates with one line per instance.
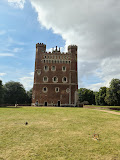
(55, 77)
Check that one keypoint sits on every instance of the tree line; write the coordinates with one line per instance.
(105, 96)
(14, 93)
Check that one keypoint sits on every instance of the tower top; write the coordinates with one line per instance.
(40, 45)
(72, 47)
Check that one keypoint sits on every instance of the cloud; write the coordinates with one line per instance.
(2, 74)
(17, 3)
(15, 50)
(6, 55)
(92, 25)
(31, 73)
(27, 81)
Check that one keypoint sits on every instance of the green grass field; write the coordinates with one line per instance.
(58, 134)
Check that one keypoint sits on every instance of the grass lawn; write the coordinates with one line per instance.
(58, 134)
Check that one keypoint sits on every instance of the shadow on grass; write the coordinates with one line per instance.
(10, 107)
(116, 109)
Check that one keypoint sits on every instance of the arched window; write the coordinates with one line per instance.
(45, 79)
(57, 89)
(64, 79)
(53, 68)
(63, 68)
(55, 79)
(46, 68)
(45, 89)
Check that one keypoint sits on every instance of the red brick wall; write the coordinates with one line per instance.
(71, 73)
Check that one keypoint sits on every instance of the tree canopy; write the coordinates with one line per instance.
(14, 93)
(86, 95)
(113, 93)
(1, 93)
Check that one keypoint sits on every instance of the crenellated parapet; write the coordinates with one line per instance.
(72, 47)
(40, 45)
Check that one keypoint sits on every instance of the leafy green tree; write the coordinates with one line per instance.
(86, 95)
(113, 93)
(14, 93)
(1, 93)
(96, 98)
(29, 96)
(102, 95)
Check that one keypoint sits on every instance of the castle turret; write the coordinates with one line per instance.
(72, 49)
(41, 47)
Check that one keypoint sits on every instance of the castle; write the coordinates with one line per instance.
(55, 77)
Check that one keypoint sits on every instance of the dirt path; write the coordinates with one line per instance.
(112, 112)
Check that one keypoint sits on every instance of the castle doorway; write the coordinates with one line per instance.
(45, 103)
(58, 103)
(36, 103)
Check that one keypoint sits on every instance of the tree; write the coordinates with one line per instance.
(14, 93)
(102, 95)
(113, 93)
(1, 93)
(86, 95)
(29, 96)
(96, 98)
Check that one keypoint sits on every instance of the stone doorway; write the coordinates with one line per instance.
(58, 103)
(45, 103)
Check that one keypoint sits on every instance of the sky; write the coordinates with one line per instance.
(92, 25)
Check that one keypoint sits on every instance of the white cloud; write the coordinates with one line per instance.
(27, 81)
(2, 74)
(17, 3)
(32, 73)
(92, 25)
(17, 50)
(6, 55)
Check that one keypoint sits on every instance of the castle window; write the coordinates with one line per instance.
(45, 89)
(46, 68)
(64, 79)
(53, 68)
(69, 62)
(63, 68)
(55, 79)
(57, 89)
(45, 79)
(44, 61)
(45, 56)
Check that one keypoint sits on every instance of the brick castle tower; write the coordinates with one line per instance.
(55, 77)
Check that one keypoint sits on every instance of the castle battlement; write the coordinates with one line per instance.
(40, 45)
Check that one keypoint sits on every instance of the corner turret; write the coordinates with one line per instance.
(41, 46)
(72, 49)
